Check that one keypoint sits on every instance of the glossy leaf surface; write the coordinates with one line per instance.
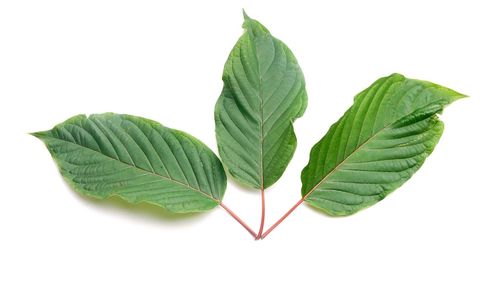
(263, 93)
(136, 159)
(377, 145)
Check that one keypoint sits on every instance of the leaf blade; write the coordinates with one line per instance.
(263, 93)
(377, 145)
(136, 159)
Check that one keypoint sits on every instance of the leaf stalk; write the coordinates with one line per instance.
(263, 215)
(250, 230)
(282, 218)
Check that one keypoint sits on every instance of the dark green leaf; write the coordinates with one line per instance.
(264, 92)
(138, 160)
(379, 143)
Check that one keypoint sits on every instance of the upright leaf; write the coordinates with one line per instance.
(138, 160)
(376, 146)
(264, 92)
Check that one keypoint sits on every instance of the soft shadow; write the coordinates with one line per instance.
(143, 209)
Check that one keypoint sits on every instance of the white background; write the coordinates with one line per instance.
(164, 61)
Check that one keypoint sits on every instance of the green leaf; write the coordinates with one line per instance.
(379, 143)
(138, 160)
(264, 92)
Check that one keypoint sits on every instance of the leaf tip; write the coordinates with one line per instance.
(254, 27)
(247, 21)
(461, 95)
(452, 94)
(245, 16)
(38, 135)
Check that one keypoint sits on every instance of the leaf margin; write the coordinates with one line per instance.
(43, 135)
(453, 96)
